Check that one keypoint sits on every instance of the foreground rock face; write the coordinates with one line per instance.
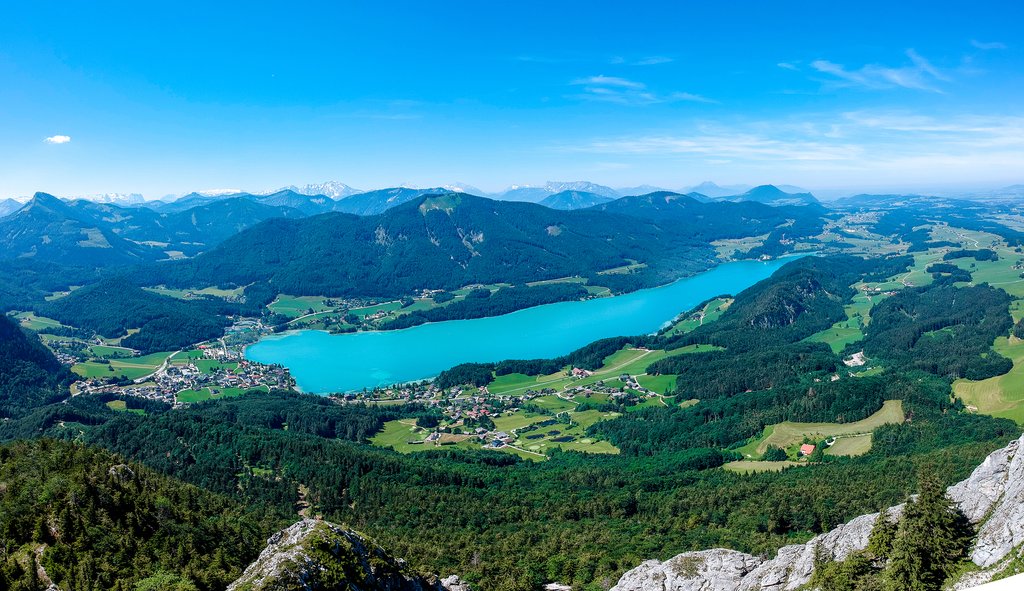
(992, 498)
(319, 556)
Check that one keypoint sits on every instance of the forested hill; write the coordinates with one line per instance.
(83, 519)
(50, 230)
(442, 241)
(30, 376)
(715, 220)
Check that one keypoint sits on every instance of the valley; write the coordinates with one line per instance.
(778, 374)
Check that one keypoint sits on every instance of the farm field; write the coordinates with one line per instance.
(788, 434)
(753, 467)
(999, 396)
(295, 306)
(711, 311)
(203, 394)
(32, 322)
(625, 361)
(131, 368)
(853, 445)
(122, 406)
(185, 294)
(538, 433)
(729, 248)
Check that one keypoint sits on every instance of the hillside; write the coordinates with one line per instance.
(51, 230)
(437, 242)
(319, 555)
(861, 553)
(30, 376)
(717, 220)
(112, 309)
(772, 195)
(81, 518)
(381, 200)
(86, 233)
(9, 206)
(568, 200)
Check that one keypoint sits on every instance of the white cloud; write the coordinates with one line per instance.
(988, 45)
(611, 89)
(920, 74)
(787, 66)
(58, 139)
(653, 60)
(602, 80)
(854, 147)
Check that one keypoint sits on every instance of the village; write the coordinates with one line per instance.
(206, 371)
(529, 422)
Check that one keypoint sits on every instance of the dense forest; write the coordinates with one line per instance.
(30, 376)
(499, 521)
(442, 242)
(94, 522)
(483, 302)
(110, 308)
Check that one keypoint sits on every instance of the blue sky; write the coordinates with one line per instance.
(170, 97)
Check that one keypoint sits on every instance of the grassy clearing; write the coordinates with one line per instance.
(190, 293)
(631, 361)
(369, 310)
(32, 322)
(788, 434)
(999, 396)
(854, 445)
(561, 280)
(623, 269)
(122, 406)
(659, 384)
(295, 306)
(106, 351)
(733, 247)
(711, 311)
(131, 368)
(209, 366)
(214, 393)
(752, 467)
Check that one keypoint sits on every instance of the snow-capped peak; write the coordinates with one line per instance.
(333, 189)
(114, 198)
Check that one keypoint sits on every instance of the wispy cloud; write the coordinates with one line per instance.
(651, 60)
(613, 89)
(919, 74)
(788, 66)
(58, 139)
(988, 45)
(855, 146)
(602, 80)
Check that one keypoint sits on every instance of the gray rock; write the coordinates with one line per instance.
(993, 496)
(709, 570)
(315, 555)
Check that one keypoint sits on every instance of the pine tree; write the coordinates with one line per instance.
(931, 538)
(882, 536)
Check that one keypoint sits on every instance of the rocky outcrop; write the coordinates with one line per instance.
(992, 498)
(315, 555)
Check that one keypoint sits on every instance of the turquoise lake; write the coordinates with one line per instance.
(322, 363)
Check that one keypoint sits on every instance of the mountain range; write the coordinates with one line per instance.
(86, 233)
(437, 242)
(449, 240)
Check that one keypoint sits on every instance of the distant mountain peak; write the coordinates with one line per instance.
(584, 186)
(333, 189)
(114, 198)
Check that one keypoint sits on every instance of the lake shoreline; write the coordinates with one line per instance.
(326, 363)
